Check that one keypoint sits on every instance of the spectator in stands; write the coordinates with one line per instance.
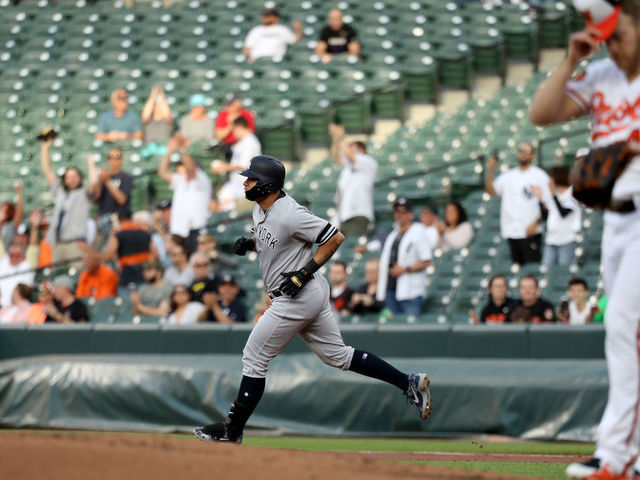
(271, 38)
(455, 231)
(337, 38)
(110, 189)
(152, 298)
(38, 250)
(63, 306)
(158, 123)
(180, 272)
(499, 306)
(145, 221)
(18, 310)
(14, 269)
(531, 308)
(231, 195)
(220, 261)
(121, 122)
(520, 213)
(429, 218)
(202, 275)
(161, 225)
(131, 244)
(182, 310)
(11, 215)
(70, 212)
(224, 306)
(340, 292)
(196, 125)
(37, 314)
(355, 184)
(581, 311)
(97, 280)
(363, 299)
(564, 218)
(224, 121)
(191, 194)
(402, 281)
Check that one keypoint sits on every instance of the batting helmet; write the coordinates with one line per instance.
(269, 172)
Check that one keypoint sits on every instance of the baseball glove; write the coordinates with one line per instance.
(594, 176)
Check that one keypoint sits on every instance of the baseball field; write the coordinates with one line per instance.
(69, 455)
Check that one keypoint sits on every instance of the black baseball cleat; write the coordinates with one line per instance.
(418, 393)
(216, 432)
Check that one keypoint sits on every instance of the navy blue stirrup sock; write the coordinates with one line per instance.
(249, 394)
(368, 364)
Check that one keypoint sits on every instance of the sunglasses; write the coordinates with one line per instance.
(401, 210)
(200, 264)
(115, 157)
(525, 150)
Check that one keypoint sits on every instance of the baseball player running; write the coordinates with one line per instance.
(609, 91)
(283, 235)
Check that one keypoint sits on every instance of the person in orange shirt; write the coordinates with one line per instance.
(96, 280)
(36, 314)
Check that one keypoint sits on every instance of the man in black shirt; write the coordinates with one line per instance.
(337, 38)
(499, 306)
(111, 189)
(531, 308)
(223, 306)
(65, 308)
(364, 300)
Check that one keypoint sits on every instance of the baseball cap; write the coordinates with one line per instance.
(152, 265)
(197, 100)
(231, 97)
(163, 205)
(227, 278)
(431, 207)
(601, 16)
(63, 281)
(270, 11)
(403, 202)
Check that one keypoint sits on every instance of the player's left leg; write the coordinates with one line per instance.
(619, 433)
(278, 325)
(324, 339)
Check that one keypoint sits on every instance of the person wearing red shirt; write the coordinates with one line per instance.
(224, 122)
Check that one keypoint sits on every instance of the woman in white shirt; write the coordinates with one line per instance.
(182, 310)
(455, 231)
(564, 218)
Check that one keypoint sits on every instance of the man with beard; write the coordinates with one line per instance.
(152, 298)
(520, 212)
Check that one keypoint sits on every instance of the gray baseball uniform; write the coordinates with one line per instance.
(284, 235)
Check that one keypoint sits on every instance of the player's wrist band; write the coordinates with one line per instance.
(311, 267)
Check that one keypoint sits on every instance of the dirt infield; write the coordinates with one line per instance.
(70, 456)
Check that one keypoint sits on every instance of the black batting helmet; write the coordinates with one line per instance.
(269, 172)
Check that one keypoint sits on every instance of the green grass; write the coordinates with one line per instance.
(416, 445)
(529, 469)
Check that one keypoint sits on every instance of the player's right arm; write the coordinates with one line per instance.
(551, 104)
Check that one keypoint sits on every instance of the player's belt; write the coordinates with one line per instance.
(622, 207)
(275, 293)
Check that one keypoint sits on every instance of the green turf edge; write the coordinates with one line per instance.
(526, 469)
(416, 445)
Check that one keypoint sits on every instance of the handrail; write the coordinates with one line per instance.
(542, 141)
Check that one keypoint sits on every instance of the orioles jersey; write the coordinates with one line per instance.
(604, 92)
